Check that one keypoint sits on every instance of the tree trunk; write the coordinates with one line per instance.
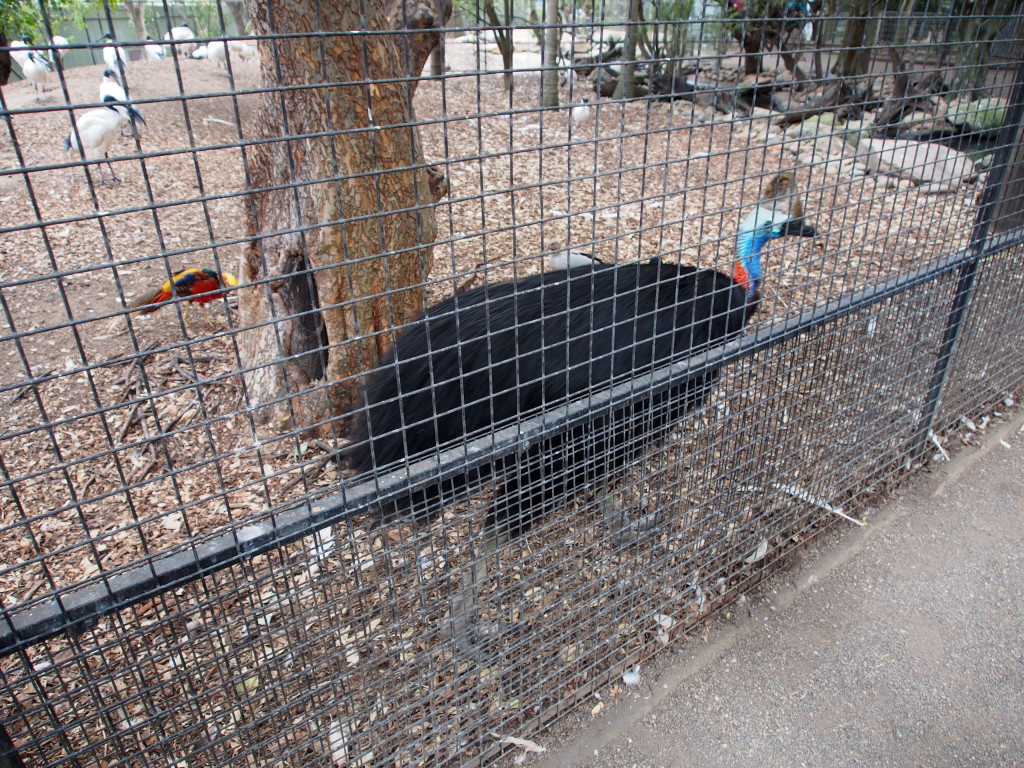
(437, 59)
(977, 30)
(502, 29)
(818, 59)
(137, 14)
(5, 59)
(552, 42)
(337, 263)
(856, 55)
(792, 63)
(752, 54)
(626, 87)
(236, 9)
(902, 32)
(423, 24)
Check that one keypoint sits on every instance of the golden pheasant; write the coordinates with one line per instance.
(198, 285)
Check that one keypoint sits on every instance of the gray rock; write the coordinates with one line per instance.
(933, 167)
(983, 115)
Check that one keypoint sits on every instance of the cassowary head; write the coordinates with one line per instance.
(778, 213)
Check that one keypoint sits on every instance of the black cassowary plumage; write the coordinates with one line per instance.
(490, 355)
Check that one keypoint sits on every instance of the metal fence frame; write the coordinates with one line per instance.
(77, 608)
(73, 610)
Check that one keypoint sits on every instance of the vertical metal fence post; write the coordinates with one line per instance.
(1010, 135)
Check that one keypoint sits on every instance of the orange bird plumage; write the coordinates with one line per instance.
(199, 285)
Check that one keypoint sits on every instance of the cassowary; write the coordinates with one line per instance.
(498, 353)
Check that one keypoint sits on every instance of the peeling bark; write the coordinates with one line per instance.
(423, 22)
(342, 223)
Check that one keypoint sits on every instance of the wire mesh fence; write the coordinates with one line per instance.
(361, 409)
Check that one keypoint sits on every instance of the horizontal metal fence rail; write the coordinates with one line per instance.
(78, 607)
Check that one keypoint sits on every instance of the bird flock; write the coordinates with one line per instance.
(95, 130)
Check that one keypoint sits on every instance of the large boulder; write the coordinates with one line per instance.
(933, 167)
(984, 116)
(854, 131)
(823, 124)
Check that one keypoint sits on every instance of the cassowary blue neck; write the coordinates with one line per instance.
(747, 270)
